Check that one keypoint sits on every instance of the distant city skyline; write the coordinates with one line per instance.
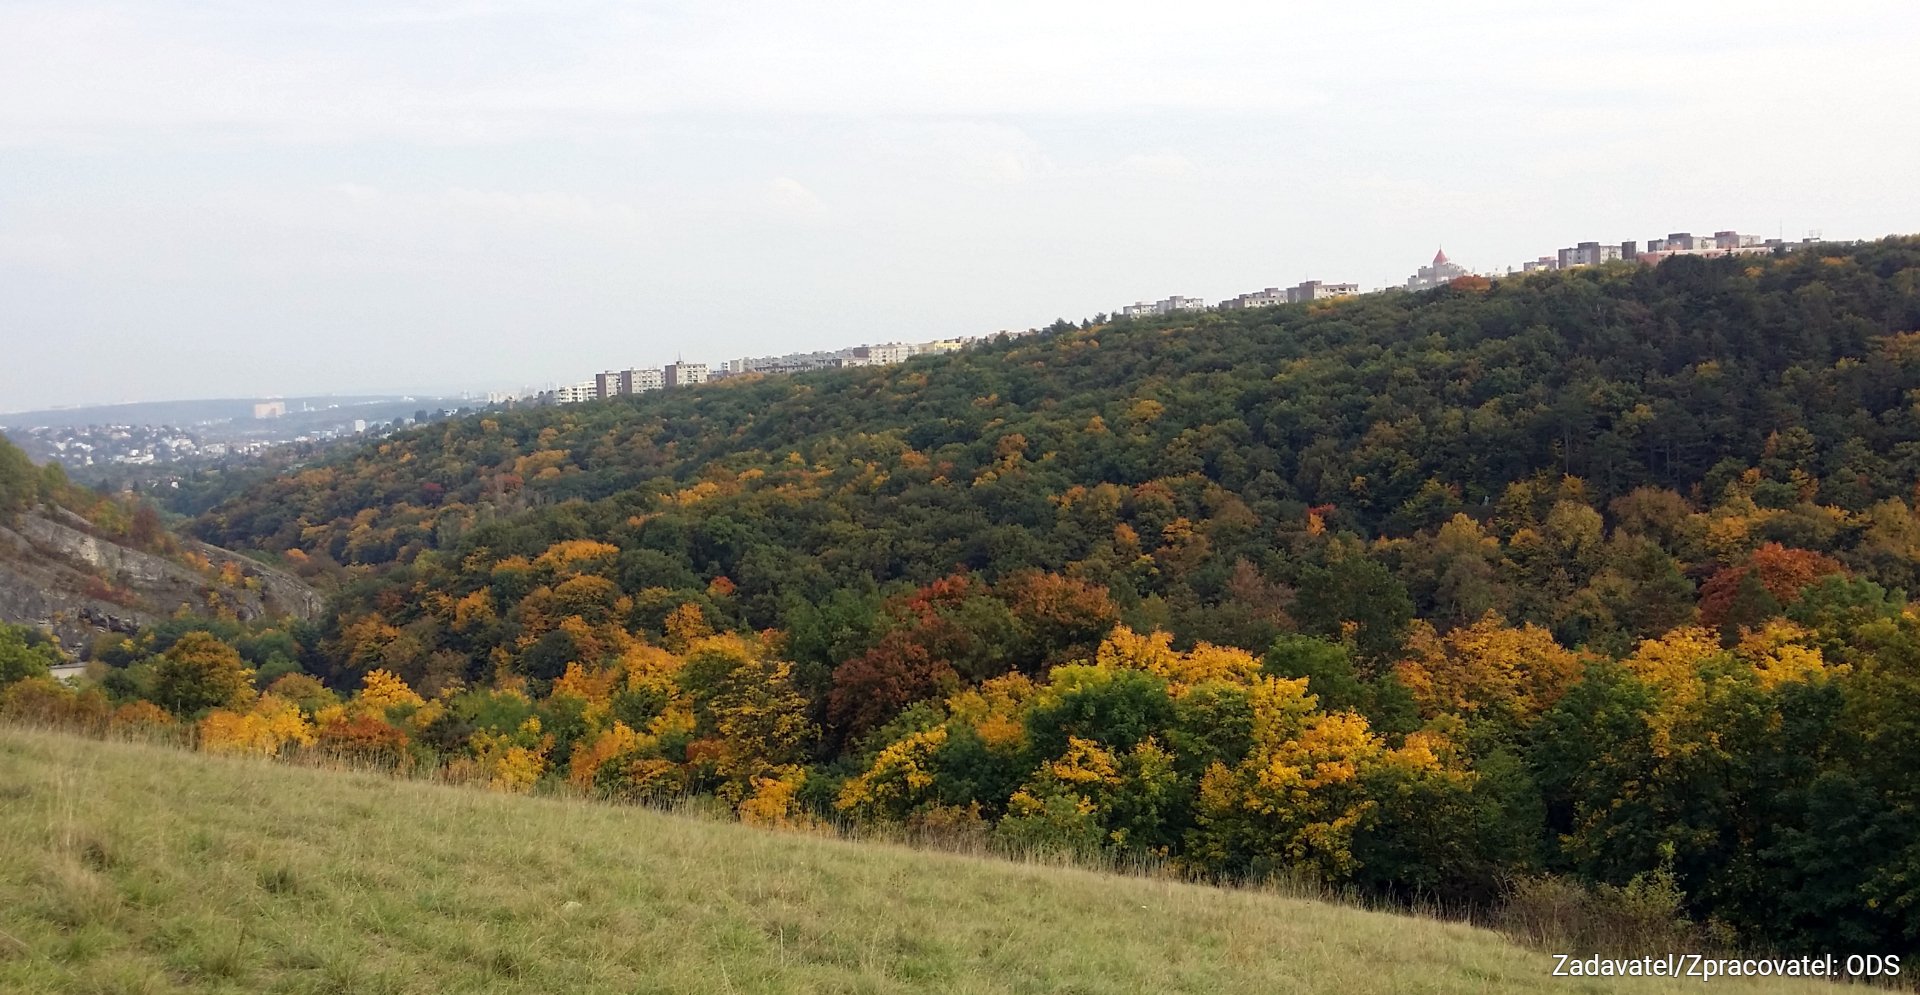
(431, 196)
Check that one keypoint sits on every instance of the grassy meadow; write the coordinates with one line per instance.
(140, 868)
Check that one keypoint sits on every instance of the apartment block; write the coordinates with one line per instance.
(638, 381)
(684, 374)
(1259, 298)
(1316, 290)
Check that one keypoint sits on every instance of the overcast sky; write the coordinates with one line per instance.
(250, 198)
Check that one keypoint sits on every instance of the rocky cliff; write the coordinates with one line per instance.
(57, 573)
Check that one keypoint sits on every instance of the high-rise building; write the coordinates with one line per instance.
(684, 374)
(637, 381)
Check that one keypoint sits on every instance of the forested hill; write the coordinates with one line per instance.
(1158, 457)
(1596, 574)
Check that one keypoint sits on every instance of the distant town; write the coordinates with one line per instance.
(209, 434)
(614, 383)
(236, 438)
(1441, 271)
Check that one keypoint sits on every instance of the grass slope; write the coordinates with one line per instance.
(144, 869)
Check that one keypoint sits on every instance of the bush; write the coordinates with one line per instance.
(46, 701)
(1647, 915)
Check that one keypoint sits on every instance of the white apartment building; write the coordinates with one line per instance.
(684, 374)
(1316, 290)
(1589, 254)
(1259, 298)
(1167, 305)
(585, 390)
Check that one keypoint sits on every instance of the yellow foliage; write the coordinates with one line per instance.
(1487, 668)
(1782, 652)
(595, 685)
(367, 641)
(573, 557)
(1281, 707)
(647, 666)
(608, 745)
(773, 798)
(898, 780)
(684, 625)
(506, 765)
(272, 723)
(426, 715)
(382, 690)
(1674, 664)
(994, 710)
(1208, 662)
(140, 714)
(1085, 763)
(1124, 649)
(1145, 411)
(474, 610)
(677, 720)
(1299, 800)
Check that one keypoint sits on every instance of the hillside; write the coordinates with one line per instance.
(80, 565)
(259, 877)
(1597, 575)
(1382, 415)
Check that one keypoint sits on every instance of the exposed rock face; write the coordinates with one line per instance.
(57, 575)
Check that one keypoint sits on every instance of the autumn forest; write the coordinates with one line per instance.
(1597, 577)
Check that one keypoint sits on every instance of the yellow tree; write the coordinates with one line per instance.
(899, 781)
(270, 725)
(1296, 801)
(1124, 649)
(1487, 670)
(762, 721)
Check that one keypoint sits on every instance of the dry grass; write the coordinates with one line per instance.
(137, 868)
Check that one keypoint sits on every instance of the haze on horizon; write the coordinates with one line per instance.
(228, 199)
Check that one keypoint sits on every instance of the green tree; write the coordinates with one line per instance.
(24, 653)
(200, 672)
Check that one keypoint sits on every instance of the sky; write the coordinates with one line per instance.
(224, 198)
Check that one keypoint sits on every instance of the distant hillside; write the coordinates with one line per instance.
(1386, 414)
(1599, 574)
(79, 564)
(261, 877)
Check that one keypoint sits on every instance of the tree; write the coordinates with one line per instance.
(201, 672)
(1487, 670)
(1358, 595)
(24, 653)
(1770, 578)
(19, 480)
(763, 721)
